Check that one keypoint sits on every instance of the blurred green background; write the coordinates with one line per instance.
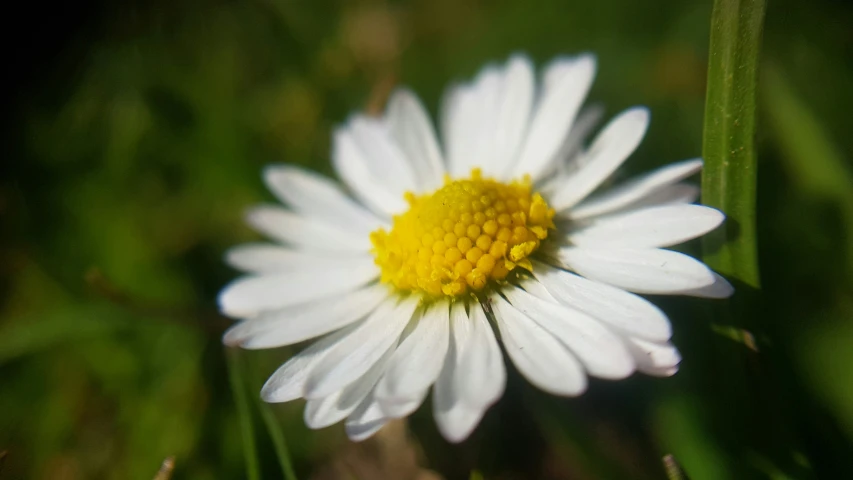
(136, 140)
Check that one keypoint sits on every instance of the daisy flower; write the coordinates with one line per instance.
(429, 253)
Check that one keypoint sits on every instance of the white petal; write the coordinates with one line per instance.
(674, 194)
(555, 112)
(624, 311)
(366, 420)
(569, 154)
(481, 376)
(639, 270)
(352, 167)
(545, 361)
(586, 122)
(294, 324)
(658, 359)
(536, 289)
(305, 232)
(403, 408)
(454, 418)
(514, 105)
(355, 355)
(601, 352)
(470, 121)
(453, 129)
(313, 195)
(288, 382)
(249, 295)
(648, 227)
(721, 288)
(635, 190)
(557, 68)
(384, 158)
(457, 423)
(322, 412)
(609, 149)
(409, 124)
(417, 361)
(271, 258)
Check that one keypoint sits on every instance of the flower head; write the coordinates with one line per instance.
(498, 228)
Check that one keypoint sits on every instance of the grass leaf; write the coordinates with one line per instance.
(810, 157)
(274, 429)
(729, 176)
(241, 399)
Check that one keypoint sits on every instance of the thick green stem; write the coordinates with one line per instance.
(729, 177)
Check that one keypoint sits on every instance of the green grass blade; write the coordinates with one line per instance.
(241, 399)
(277, 435)
(272, 423)
(811, 158)
(729, 176)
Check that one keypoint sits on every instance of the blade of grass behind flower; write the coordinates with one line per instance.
(758, 426)
(273, 426)
(241, 400)
(729, 176)
(271, 422)
(811, 159)
(817, 172)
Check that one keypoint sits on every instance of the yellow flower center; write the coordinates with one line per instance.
(462, 237)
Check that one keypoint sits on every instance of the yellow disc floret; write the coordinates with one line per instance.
(468, 233)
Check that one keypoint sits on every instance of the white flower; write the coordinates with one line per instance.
(500, 229)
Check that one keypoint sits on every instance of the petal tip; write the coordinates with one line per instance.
(639, 113)
(521, 59)
(253, 215)
(232, 337)
(274, 172)
(587, 59)
(400, 97)
(228, 305)
(268, 394)
(699, 161)
(458, 432)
